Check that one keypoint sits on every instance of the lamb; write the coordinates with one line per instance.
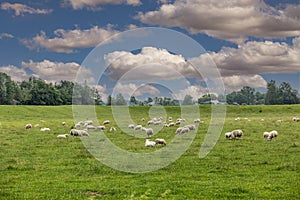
(178, 130)
(143, 119)
(88, 122)
(170, 119)
(182, 130)
(191, 127)
(45, 129)
(149, 132)
(106, 122)
(28, 126)
(112, 129)
(62, 136)
(272, 135)
(279, 121)
(171, 124)
(197, 121)
(149, 143)
(63, 123)
(160, 141)
(150, 122)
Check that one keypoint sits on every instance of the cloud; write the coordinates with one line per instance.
(133, 89)
(235, 83)
(258, 58)
(21, 9)
(6, 35)
(150, 64)
(57, 71)
(232, 20)
(16, 74)
(94, 4)
(195, 91)
(68, 40)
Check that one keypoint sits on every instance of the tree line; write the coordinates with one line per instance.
(38, 92)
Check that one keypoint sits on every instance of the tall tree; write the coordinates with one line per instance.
(188, 100)
(286, 94)
(271, 97)
(248, 94)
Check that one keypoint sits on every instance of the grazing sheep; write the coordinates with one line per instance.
(143, 119)
(197, 121)
(279, 121)
(90, 127)
(112, 129)
(63, 123)
(160, 141)
(77, 125)
(171, 124)
(165, 124)
(228, 135)
(150, 122)
(178, 130)
(296, 119)
(131, 126)
(270, 135)
(237, 119)
(170, 119)
(28, 126)
(149, 143)
(138, 128)
(45, 129)
(36, 125)
(149, 132)
(76, 132)
(106, 122)
(236, 133)
(88, 122)
(191, 127)
(62, 136)
(101, 128)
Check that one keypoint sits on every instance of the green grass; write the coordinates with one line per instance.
(37, 165)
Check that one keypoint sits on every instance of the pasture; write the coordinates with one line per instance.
(37, 165)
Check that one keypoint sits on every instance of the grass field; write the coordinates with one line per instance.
(37, 165)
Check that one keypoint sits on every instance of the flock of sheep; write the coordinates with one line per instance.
(82, 129)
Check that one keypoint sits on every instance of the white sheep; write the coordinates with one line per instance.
(272, 134)
(178, 130)
(88, 122)
(131, 126)
(149, 132)
(150, 122)
(170, 119)
(112, 129)
(228, 135)
(197, 121)
(143, 119)
(138, 128)
(171, 124)
(62, 136)
(90, 127)
(101, 128)
(237, 119)
(296, 119)
(36, 125)
(28, 126)
(106, 122)
(160, 141)
(149, 143)
(45, 129)
(279, 121)
(76, 132)
(266, 134)
(63, 123)
(236, 133)
(191, 127)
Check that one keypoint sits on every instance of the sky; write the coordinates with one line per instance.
(138, 47)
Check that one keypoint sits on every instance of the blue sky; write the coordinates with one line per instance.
(250, 42)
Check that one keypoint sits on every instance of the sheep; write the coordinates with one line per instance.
(160, 141)
(236, 133)
(150, 122)
(62, 136)
(28, 126)
(158, 122)
(106, 122)
(112, 129)
(138, 127)
(237, 119)
(178, 130)
(143, 119)
(296, 119)
(270, 135)
(36, 125)
(101, 128)
(170, 119)
(76, 132)
(77, 125)
(182, 130)
(149, 132)
(191, 127)
(88, 122)
(90, 127)
(149, 143)
(45, 129)
(228, 135)
(197, 121)
(279, 121)
(63, 123)
(131, 126)
(171, 124)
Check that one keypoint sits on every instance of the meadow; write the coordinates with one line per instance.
(37, 165)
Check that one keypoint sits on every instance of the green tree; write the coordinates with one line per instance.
(248, 95)
(272, 96)
(287, 95)
(120, 100)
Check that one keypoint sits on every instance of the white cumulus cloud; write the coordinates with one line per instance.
(232, 20)
(21, 9)
(68, 40)
(16, 74)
